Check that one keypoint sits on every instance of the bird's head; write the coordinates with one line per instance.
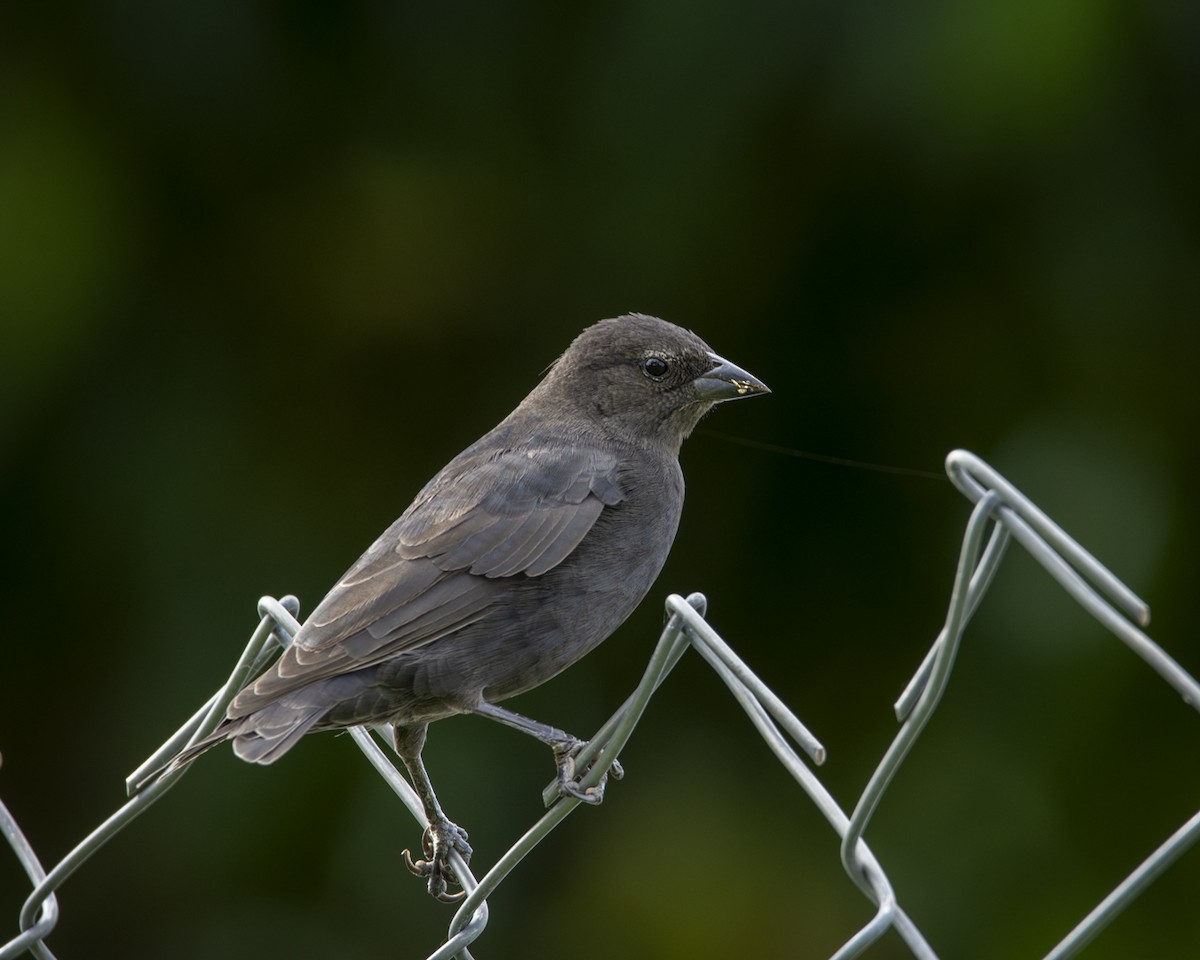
(641, 378)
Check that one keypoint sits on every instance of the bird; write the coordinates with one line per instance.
(519, 557)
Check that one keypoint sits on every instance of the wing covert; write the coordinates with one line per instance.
(522, 510)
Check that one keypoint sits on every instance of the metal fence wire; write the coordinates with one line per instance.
(1001, 514)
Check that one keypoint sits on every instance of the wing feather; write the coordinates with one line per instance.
(440, 567)
(567, 539)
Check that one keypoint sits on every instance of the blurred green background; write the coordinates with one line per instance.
(265, 268)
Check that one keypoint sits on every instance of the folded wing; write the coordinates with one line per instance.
(488, 516)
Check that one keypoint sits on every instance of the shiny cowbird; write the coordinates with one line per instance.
(526, 551)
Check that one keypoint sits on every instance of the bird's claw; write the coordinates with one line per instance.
(568, 779)
(440, 840)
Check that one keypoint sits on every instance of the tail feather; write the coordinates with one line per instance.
(272, 729)
(183, 758)
(262, 738)
(266, 744)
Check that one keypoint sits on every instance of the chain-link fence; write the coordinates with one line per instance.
(1001, 514)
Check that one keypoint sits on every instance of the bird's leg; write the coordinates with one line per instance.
(566, 748)
(442, 837)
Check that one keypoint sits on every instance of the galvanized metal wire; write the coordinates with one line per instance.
(1002, 514)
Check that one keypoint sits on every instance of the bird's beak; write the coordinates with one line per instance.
(727, 381)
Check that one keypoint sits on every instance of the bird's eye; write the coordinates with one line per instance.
(655, 367)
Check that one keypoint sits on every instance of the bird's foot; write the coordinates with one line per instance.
(568, 777)
(441, 838)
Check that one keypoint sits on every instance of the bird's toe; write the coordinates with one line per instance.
(440, 840)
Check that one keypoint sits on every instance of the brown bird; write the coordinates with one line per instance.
(526, 551)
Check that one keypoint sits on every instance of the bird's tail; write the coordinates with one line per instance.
(269, 733)
(184, 757)
(262, 737)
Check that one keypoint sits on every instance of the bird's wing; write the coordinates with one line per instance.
(516, 511)
(440, 567)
